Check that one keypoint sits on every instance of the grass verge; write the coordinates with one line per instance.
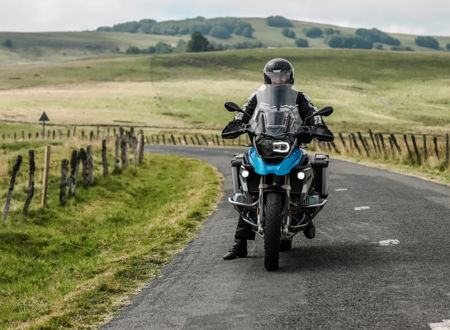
(73, 266)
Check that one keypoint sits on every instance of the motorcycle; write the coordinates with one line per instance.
(278, 187)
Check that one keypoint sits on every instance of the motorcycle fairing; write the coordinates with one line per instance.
(276, 111)
(280, 169)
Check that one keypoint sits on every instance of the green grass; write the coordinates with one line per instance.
(71, 266)
(386, 91)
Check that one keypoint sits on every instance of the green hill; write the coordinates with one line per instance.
(19, 48)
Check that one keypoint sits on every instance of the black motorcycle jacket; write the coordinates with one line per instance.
(305, 109)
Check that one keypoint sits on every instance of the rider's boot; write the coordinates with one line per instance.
(310, 231)
(239, 249)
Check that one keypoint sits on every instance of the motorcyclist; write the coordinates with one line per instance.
(277, 71)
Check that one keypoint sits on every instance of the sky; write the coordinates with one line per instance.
(431, 17)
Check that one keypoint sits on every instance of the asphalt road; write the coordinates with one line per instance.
(380, 260)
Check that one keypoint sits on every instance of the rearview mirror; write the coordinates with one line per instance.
(232, 107)
(325, 111)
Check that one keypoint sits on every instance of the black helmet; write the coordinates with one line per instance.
(278, 71)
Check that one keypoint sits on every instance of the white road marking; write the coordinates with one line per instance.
(341, 189)
(359, 208)
(388, 242)
(444, 325)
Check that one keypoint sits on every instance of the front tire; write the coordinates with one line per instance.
(272, 230)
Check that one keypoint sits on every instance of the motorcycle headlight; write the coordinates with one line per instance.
(273, 149)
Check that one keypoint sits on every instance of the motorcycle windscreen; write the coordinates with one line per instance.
(276, 113)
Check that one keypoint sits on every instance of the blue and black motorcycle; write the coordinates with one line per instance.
(278, 187)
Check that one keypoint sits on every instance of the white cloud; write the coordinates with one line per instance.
(407, 16)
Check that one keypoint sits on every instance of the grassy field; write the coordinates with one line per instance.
(71, 266)
(387, 91)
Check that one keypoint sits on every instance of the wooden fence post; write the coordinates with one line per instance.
(391, 145)
(416, 150)
(366, 148)
(84, 168)
(446, 150)
(173, 140)
(116, 156)
(425, 149)
(192, 141)
(63, 187)
(436, 150)
(30, 190)
(355, 143)
(407, 146)
(342, 140)
(104, 158)
(90, 164)
(11, 186)
(74, 165)
(205, 139)
(141, 142)
(378, 147)
(45, 178)
(164, 139)
(124, 152)
(394, 140)
(382, 143)
(198, 140)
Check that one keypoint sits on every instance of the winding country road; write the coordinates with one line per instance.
(380, 260)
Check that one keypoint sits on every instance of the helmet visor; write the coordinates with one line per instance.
(279, 78)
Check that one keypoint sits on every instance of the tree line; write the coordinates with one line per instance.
(197, 43)
(221, 28)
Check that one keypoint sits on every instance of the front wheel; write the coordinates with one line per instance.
(272, 230)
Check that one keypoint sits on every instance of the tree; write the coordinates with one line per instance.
(8, 44)
(447, 46)
(330, 31)
(349, 42)
(428, 42)
(299, 42)
(133, 50)
(198, 43)
(288, 33)
(220, 32)
(375, 35)
(163, 48)
(314, 32)
(278, 21)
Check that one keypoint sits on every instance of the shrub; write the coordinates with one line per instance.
(220, 32)
(349, 42)
(428, 42)
(299, 42)
(447, 47)
(198, 43)
(288, 33)
(133, 50)
(379, 47)
(330, 31)
(314, 32)
(8, 43)
(278, 21)
(375, 35)
(399, 48)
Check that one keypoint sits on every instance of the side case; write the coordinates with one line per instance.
(320, 163)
